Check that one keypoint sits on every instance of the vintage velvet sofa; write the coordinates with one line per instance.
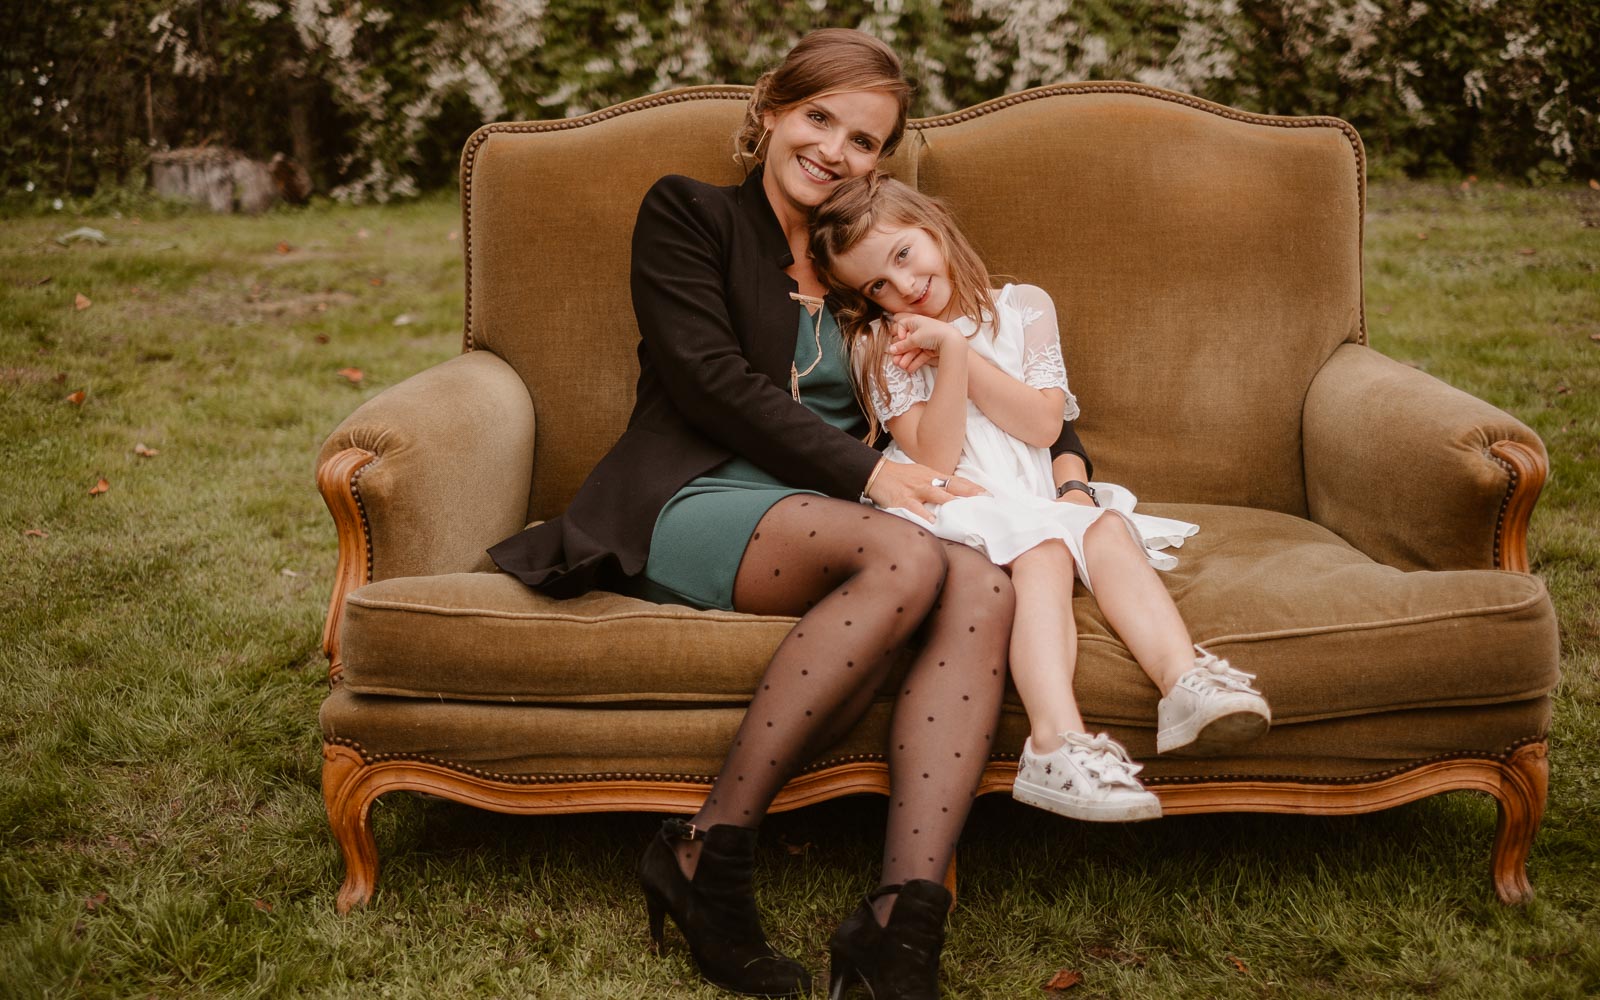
(1362, 544)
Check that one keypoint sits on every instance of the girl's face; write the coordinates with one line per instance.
(818, 144)
(899, 269)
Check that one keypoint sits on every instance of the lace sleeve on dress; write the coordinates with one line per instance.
(905, 391)
(1042, 364)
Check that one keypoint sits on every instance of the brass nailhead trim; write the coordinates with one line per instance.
(1505, 505)
(361, 508)
(701, 779)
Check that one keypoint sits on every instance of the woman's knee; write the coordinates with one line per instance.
(914, 561)
(972, 581)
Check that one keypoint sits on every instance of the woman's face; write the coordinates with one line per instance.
(819, 143)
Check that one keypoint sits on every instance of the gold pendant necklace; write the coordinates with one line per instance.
(814, 307)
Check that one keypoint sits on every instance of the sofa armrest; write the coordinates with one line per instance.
(1415, 473)
(426, 475)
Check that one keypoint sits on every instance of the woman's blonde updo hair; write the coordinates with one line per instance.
(826, 61)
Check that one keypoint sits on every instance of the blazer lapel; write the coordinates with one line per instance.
(772, 337)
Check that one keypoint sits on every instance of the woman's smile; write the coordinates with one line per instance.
(816, 170)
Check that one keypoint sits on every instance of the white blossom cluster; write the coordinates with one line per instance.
(397, 72)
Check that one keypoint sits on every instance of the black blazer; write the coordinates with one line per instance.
(717, 334)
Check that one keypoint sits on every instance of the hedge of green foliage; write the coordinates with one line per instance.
(375, 98)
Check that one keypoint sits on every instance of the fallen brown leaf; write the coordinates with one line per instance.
(61, 377)
(284, 247)
(1238, 964)
(796, 850)
(353, 375)
(1527, 251)
(100, 487)
(1422, 236)
(1563, 389)
(80, 302)
(1063, 980)
(36, 533)
(1121, 957)
(1595, 337)
(96, 901)
(375, 282)
(77, 398)
(1594, 184)
(145, 452)
(262, 905)
(1466, 185)
(322, 338)
(362, 234)
(44, 280)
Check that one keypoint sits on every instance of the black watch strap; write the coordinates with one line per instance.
(1074, 484)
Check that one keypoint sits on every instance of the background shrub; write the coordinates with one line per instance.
(376, 98)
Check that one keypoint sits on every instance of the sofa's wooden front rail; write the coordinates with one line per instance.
(351, 783)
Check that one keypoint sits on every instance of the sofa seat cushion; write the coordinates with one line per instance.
(1328, 632)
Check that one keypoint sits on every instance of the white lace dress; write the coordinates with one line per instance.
(1021, 511)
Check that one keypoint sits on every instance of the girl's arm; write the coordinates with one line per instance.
(933, 433)
(1032, 413)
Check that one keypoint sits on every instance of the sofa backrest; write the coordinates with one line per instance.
(1204, 263)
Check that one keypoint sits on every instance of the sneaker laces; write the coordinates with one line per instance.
(1211, 672)
(1105, 759)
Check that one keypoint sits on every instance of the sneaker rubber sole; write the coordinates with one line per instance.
(1051, 800)
(1216, 736)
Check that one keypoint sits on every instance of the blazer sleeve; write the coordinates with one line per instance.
(1067, 442)
(679, 280)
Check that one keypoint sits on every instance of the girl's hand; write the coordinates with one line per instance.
(922, 340)
(909, 486)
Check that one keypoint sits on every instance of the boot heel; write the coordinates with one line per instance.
(840, 972)
(657, 909)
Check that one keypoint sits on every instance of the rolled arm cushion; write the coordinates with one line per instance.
(1409, 470)
(452, 462)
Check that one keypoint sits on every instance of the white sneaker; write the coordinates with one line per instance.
(1211, 708)
(1087, 777)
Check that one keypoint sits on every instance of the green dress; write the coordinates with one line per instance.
(701, 534)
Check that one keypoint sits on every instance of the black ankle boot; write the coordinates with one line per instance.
(717, 911)
(898, 961)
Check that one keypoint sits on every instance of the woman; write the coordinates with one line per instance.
(736, 486)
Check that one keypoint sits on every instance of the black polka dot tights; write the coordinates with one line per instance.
(864, 582)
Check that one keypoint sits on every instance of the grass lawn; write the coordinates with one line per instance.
(161, 826)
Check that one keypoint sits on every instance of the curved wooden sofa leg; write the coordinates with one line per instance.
(349, 811)
(1525, 784)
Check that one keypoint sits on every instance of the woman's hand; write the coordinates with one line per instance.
(909, 486)
(922, 340)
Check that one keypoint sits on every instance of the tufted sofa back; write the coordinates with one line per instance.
(1204, 262)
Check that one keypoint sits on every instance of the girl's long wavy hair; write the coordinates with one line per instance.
(826, 61)
(852, 212)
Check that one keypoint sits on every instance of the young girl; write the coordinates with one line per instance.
(970, 381)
